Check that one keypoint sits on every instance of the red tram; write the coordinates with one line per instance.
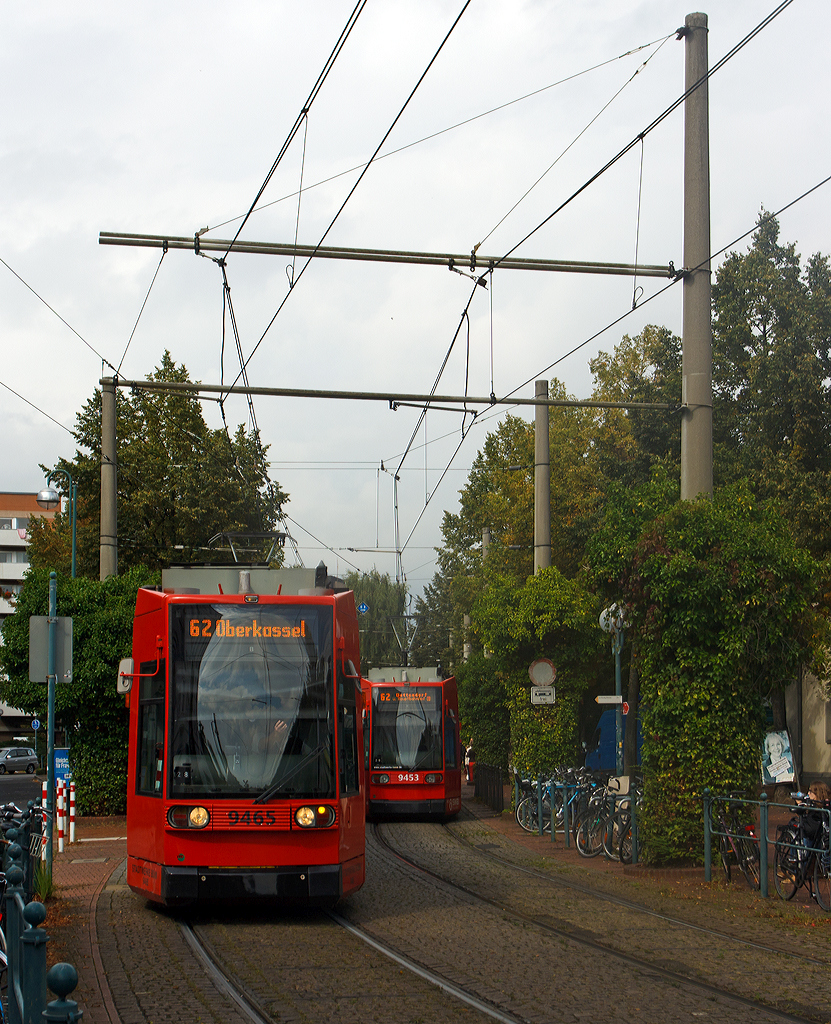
(244, 772)
(411, 743)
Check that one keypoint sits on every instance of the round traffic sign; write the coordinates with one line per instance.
(542, 672)
(36, 724)
(625, 707)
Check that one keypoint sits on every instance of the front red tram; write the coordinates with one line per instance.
(244, 770)
(411, 743)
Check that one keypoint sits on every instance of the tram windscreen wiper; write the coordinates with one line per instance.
(277, 787)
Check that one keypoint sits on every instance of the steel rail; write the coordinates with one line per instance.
(427, 975)
(221, 979)
(470, 262)
(631, 904)
(639, 963)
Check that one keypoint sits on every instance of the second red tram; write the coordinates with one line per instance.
(244, 775)
(411, 743)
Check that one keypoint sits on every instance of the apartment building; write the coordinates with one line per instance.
(16, 509)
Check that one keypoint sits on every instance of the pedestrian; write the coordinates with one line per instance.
(470, 761)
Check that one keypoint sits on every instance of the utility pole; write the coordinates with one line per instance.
(697, 342)
(109, 510)
(486, 543)
(542, 481)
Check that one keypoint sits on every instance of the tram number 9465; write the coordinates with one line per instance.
(250, 817)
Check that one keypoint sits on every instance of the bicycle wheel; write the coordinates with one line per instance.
(590, 835)
(724, 853)
(749, 861)
(625, 848)
(822, 880)
(611, 836)
(527, 814)
(786, 868)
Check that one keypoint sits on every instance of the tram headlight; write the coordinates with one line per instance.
(315, 817)
(432, 778)
(382, 780)
(188, 817)
(305, 817)
(198, 817)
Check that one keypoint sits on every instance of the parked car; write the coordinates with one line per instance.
(18, 759)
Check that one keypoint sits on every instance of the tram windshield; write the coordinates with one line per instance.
(406, 727)
(251, 700)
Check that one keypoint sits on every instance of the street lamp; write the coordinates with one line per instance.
(613, 620)
(49, 498)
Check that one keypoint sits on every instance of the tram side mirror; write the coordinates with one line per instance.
(124, 682)
(349, 669)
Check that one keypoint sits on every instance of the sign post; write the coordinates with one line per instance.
(542, 674)
(51, 680)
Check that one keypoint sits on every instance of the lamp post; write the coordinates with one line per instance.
(613, 620)
(49, 498)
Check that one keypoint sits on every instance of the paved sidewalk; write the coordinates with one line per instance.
(91, 895)
(79, 874)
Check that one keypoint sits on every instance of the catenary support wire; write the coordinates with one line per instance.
(351, 192)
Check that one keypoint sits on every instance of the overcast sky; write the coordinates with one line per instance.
(165, 117)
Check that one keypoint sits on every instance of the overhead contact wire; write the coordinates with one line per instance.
(652, 125)
(105, 361)
(360, 177)
(146, 297)
(327, 67)
(444, 131)
(671, 284)
(573, 142)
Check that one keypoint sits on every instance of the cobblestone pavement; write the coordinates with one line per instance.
(701, 956)
(135, 965)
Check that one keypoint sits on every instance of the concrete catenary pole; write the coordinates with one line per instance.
(486, 543)
(109, 521)
(542, 482)
(697, 342)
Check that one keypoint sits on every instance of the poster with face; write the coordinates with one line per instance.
(777, 760)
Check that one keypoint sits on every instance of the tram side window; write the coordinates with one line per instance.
(151, 730)
(348, 745)
(451, 742)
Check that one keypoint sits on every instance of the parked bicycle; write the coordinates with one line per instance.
(801, 854)
(737, 840)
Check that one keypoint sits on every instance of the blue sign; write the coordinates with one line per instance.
(36, 724)
(62, 770)
(363, 608)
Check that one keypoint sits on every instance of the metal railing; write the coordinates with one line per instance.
(764, 839)
(23, 916)
(488, 786)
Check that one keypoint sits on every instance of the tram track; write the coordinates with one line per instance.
(588, 939)
(778, 950)
(265, 997)
(224, 981)
(230, 986)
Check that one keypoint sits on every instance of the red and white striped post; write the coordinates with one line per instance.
(43, 831)
(72, 812)
(60, 814)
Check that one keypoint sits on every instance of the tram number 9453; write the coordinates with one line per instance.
(408, 777)
(250, 817)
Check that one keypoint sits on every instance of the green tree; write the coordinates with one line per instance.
(723, 600)
(180, 483)
(434, 642)
(484, 711)
(548, 616)
(772, 379)
(89, 708)
(384, 627)
(646, 368)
